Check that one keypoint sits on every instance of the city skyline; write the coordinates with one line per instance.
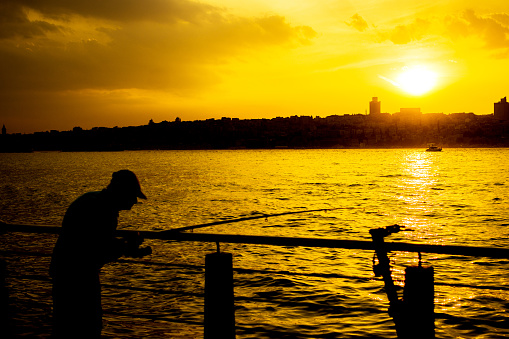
(409, 128)
(89, 64)
(501, 114)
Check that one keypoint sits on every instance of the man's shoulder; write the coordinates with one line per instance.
(90, 198)
(89, 205)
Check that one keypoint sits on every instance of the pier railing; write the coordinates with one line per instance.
(220, 265)
(489, 252)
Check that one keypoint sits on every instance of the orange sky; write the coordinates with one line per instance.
(123, 62)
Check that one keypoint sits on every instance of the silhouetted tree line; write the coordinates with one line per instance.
(347, 131)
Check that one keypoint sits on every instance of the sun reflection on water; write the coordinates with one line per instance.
(420, 176)
(419, 193)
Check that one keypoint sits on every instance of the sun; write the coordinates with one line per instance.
(416, 80)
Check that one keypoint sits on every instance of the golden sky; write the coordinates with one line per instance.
(121, 63)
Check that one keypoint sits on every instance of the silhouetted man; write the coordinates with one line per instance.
(85, 244)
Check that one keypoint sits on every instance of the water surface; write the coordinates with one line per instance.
(456, 197)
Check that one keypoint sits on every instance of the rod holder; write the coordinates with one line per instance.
(219, 317)
(413, 316)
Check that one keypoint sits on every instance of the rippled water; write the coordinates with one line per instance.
(458, 196)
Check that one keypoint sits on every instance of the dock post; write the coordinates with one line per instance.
(219, 317)
(5, 325)
(418, 299)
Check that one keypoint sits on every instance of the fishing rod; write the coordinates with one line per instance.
(231, 221)
(151, 234)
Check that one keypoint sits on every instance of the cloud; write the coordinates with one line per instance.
(153, 44)
(123, 10)
(404, 34)
(502, 18)
(492, 29)
(14, 23)
(357, 22)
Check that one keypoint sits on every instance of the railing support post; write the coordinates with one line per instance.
(219, 317)
(5, 325)
(418, 299)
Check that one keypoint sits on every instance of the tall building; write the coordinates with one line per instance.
(501, 109)
(4, 130)
(374, 106)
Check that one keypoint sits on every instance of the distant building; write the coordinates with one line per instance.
(374, 106)
(501, 109)
(4, 130)
(410, 111)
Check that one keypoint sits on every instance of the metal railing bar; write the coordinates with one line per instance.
(201, 267)
(298, 303)
(43, 278)
(479, 287)
(158, 263)
(29, 228)
(344, 244)
(248, 271)
(150, 317)
(156, 291)
(316, 275)
(201, 295)
(251, 271)
(112, 286)
(491, 252)
(27, 253)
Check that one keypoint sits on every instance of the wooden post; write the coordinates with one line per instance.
(5, 325)
(418, 298)
(219, 317)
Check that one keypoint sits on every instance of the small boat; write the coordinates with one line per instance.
(433, 148)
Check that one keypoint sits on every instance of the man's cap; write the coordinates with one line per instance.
(126, 181)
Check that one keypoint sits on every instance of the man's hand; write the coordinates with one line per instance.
(132, 246)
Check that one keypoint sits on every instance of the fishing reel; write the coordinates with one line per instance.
(132, 246)
(380, 233)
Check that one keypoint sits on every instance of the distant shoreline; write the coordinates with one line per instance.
(257, 149)
(462, 130)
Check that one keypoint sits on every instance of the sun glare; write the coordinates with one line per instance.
(416, 80)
